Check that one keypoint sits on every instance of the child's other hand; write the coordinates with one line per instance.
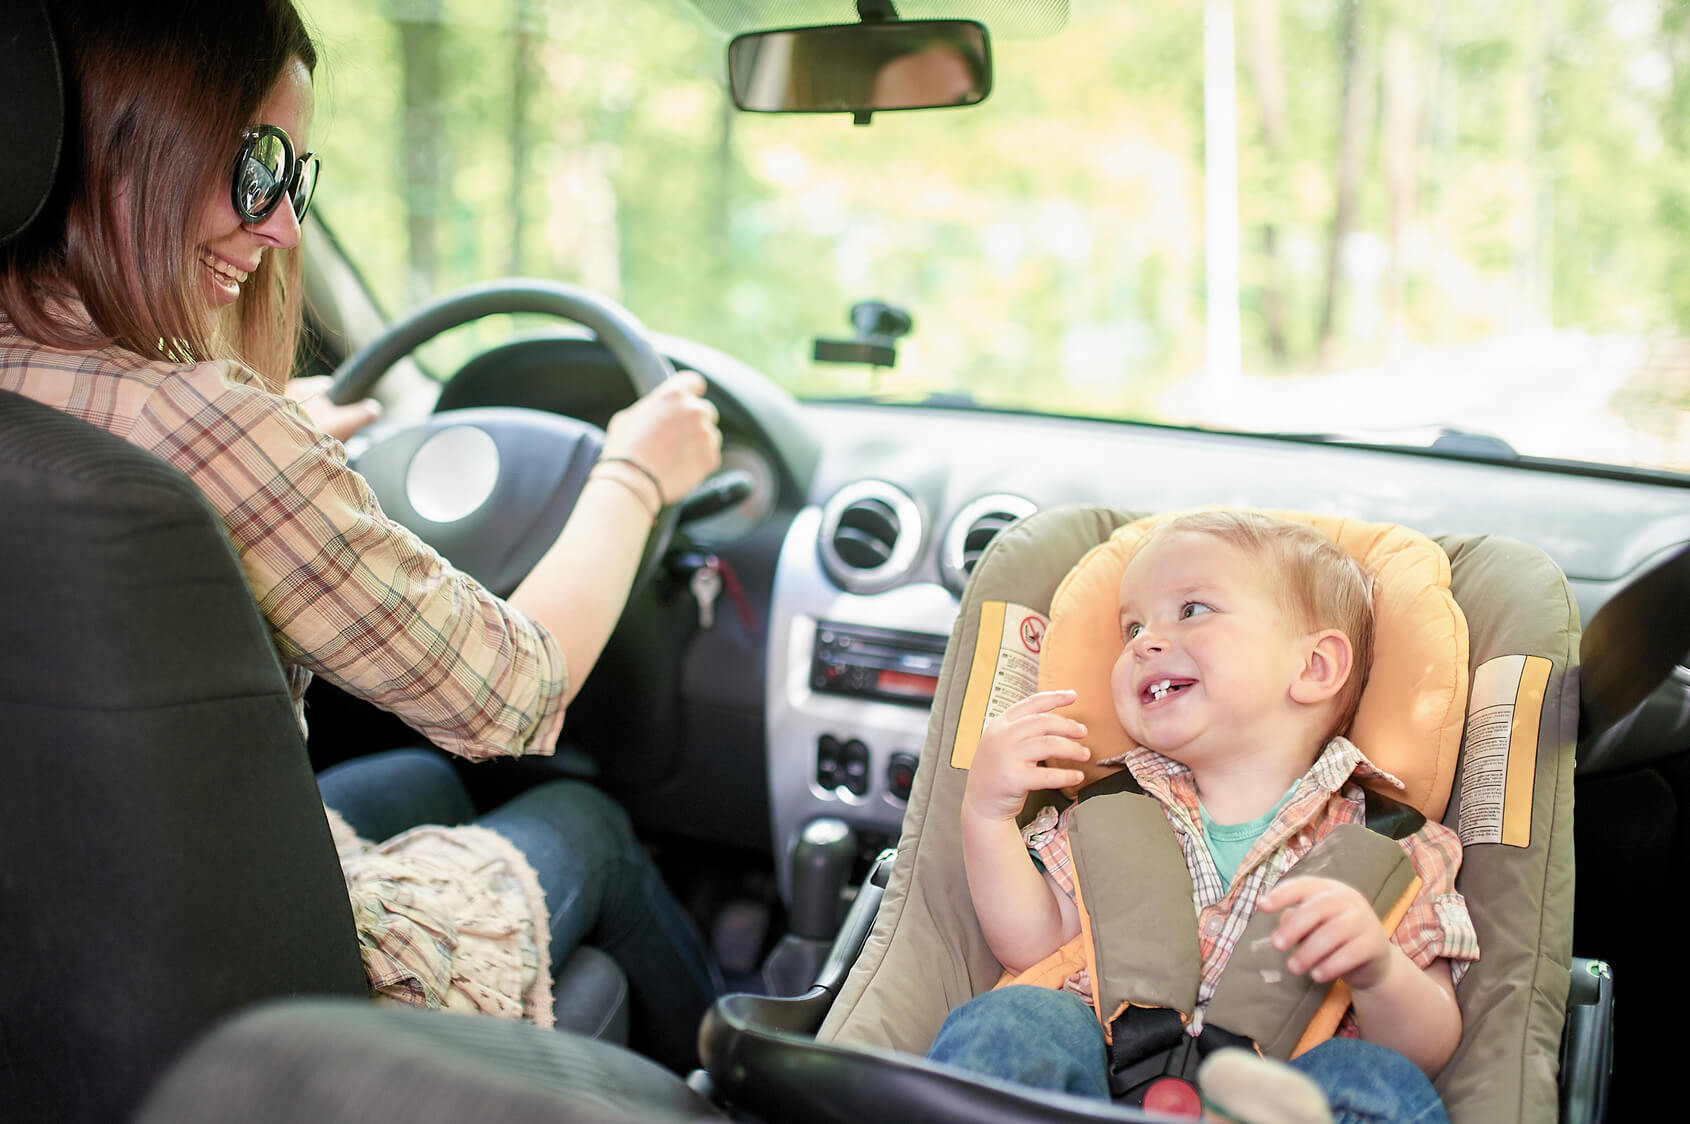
(1330, 931)
(1008, 761)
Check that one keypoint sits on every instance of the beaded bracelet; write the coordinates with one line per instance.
(646, 472)
(639, 497)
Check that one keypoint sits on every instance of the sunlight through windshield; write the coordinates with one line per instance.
(1377, 221)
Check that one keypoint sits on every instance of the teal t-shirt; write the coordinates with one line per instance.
(1230, 842)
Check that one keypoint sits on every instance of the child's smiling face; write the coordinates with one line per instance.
(1210, 652)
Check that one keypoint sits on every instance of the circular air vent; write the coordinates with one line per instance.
(870, 535)
(974, 527)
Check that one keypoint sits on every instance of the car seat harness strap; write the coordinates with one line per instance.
(1141, 948)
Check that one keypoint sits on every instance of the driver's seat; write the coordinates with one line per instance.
(166, 856)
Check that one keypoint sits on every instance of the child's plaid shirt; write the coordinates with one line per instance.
(1329, 794)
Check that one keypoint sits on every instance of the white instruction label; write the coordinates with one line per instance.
(1005, 670)
(1499, 750)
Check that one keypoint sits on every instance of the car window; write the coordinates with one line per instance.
(1396, 223)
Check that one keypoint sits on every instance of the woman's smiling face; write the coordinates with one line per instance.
(227, 249)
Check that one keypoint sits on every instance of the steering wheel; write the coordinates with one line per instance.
(491, 488)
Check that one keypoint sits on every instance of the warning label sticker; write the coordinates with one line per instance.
(1499, 750)
(1004, 671)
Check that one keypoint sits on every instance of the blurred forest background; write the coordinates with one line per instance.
(1448, 213)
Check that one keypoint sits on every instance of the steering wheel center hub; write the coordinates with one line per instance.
(452, 474)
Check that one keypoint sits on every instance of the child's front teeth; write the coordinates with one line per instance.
(1159, 690)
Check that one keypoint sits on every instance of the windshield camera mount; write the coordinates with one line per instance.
(878, 327)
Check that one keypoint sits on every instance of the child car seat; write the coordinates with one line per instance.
(925, 954)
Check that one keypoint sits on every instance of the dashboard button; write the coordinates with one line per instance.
(853, 761)
(900, 774)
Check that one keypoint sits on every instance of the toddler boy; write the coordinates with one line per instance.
(1245, 646)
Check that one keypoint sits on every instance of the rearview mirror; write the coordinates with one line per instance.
(861, 67)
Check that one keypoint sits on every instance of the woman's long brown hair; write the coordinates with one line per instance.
(157, 98)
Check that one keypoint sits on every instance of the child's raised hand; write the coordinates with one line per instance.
(1008, 761)
(1329, 930)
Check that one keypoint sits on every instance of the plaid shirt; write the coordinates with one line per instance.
(1436, 924)
(348, 594)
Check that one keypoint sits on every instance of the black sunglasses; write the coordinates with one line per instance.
(266, 170)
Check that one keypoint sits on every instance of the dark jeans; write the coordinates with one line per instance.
(600, 884)
(1052, 1040)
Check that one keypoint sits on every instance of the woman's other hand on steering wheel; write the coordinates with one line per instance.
(668, 440)
(339, 422)
(672, 433)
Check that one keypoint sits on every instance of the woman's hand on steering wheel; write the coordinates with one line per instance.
(340, 422)
(672, 433)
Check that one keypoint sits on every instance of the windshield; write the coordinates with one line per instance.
(1375, 221)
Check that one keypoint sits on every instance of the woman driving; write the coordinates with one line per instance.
(158, 297)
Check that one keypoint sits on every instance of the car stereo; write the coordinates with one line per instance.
(876, 663)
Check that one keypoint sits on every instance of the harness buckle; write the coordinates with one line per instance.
(1150, 1051)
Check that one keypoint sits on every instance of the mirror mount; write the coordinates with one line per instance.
(873, 11)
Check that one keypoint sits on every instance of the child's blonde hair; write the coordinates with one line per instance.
(1321, 586)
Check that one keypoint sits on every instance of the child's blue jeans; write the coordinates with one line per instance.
(1051, 1040)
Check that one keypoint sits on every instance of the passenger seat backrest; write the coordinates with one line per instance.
(166, 856)
(1511, 800)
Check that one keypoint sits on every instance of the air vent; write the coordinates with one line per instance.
(973, 529)
(870, 536)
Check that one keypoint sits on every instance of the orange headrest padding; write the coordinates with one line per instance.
(1411, 714)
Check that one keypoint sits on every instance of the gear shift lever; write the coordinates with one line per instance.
(822, 860)
(821, 864)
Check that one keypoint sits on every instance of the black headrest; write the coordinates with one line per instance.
(32, 115)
